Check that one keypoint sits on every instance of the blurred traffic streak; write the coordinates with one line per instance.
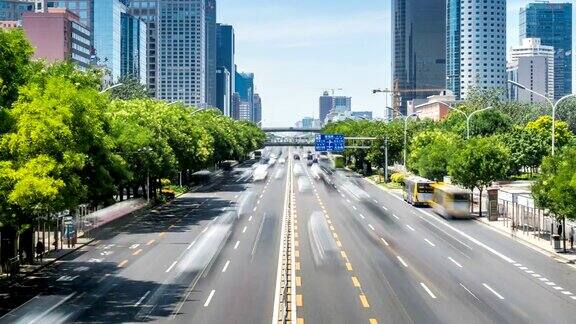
(304, 184)
(324, 248)
(260, 173)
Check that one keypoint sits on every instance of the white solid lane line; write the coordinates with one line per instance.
(142, 299)
(244, 229)
(454, 261)
(236, 245)
(402, 261)
(371, 227)
(428, 290)
(428, 241)
(384, 241)
(209, 298)
(410, 227)
(171, 266)
(226, 266)
(493, 291)
(190, 245)
(468, 290)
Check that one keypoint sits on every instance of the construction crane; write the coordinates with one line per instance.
(332, 90)
(397, 92)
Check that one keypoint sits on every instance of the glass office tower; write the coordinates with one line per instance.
(108, 34)
(552, 23)
(133, 58)
(418, 46)
(453, 47)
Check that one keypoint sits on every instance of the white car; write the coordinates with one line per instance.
(260, 173)
(282, 160)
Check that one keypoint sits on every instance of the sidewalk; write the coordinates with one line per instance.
(531, 238)
(92, 222)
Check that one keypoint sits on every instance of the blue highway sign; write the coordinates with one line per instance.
(329, 142)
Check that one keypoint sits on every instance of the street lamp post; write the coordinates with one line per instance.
(468, 116)
(552, 104)
(111, 87)
(406, 135)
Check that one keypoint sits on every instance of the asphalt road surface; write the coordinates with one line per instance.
(362, 256)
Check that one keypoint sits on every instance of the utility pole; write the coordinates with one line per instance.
(386, 159)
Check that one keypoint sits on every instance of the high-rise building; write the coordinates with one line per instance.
(133, 49)
(12, 10)
(532, 72)
(83, 8)
(57, 35)
(225, 52)
(342, 103)
(108, 34)
(532, 48)
(257, 108)
(147, 10)
(326, 104)
(235, 107)
(418, 46)
(552, 23)
(477, 31)
(245, 88)
(211, 53)
(181, 51)
(362, 115)
(224, 95)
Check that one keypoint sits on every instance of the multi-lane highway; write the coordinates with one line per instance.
(360, 255)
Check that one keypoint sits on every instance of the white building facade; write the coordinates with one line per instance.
(482, 45)
(542, 78)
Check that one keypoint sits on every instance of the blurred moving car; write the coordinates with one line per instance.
(281, 160)
(296, 157)
(260, 173)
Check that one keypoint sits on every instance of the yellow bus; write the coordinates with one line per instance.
(450, 201)
(418, 191)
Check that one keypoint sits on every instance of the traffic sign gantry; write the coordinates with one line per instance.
(329, 142)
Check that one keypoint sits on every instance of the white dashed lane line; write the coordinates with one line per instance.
(456, 263)
(362, 216)
(209, 298)
(384, 207)
(371, 227)
(236, 245)
(411, 228)
(226, 266)
(402, 261)
(428, 241)
(395, 216)
(428, 290)
(492, 291)
(171, 266)
(384, 241)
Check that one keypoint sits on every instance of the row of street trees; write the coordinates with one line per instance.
(509, 141)
(63, 142)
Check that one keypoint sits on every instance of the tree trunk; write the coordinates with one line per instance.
(564, 231)
(480, 203)
(27, 244)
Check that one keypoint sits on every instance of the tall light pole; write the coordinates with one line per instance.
(111, 87)
(385, 92)
(405, 131)
(552, 104)
(468, 116)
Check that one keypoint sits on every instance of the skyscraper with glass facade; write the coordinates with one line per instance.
(147, 10)
(453, 46)
(479, 40)
(83, 8)
(224, 97)
(211, 53)
(552, 23)
(108, 34)
(133, 50)
(418, 46)
(225, 53)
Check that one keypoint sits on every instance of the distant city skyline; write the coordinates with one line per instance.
(304, 48)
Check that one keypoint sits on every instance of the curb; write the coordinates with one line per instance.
(521, 240)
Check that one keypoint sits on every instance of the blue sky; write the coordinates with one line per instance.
(298, 48)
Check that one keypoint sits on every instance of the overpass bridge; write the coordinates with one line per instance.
(290, 129)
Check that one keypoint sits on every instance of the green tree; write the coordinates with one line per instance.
(555, 187)
(131, 88)
(430, 152)
(15, 53)
(480, 162)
